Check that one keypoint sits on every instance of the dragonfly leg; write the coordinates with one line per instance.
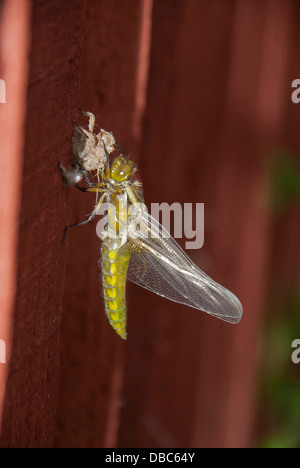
(90, 218)
(118, 144)
(96, 188)
(106, 154)
(84, 173)
(93, 187)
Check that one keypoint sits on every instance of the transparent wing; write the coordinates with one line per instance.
(158, 264)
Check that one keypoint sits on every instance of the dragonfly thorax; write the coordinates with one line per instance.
(121, 169)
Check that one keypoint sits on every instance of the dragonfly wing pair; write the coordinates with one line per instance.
(158, 264)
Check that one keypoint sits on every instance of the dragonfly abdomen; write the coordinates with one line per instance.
(114, 269)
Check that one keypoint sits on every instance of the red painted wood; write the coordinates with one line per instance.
(218, 85)
(92, 355)
(199, 115)
(29, 406)
(13, 71)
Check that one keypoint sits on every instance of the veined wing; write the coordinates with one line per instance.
(158, 264)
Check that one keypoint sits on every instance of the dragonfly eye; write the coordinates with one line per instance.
(121, 169)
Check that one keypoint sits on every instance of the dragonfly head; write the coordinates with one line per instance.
(122, 169)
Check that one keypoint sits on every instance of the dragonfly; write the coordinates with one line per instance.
(136, 247)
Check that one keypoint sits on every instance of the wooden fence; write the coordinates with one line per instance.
(198, 92)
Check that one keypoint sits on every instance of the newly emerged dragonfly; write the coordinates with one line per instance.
(147, 256)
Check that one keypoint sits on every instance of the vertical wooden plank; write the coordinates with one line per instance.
(14, 36)
(285, 258)
(275, 421)
(183, 115)
(29, 406)
(91, 373)
(259, 118)
(215, 107)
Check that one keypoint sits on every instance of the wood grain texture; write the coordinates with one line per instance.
(92, 355)
(14, 34)
(29, 406)
(198, 93)
(215, 108)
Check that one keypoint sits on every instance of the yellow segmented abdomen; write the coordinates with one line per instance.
(114, 269)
